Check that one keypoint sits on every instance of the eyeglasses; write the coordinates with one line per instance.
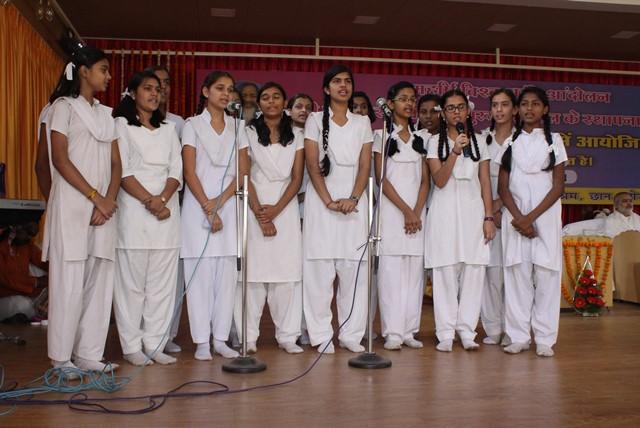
(411, 100)
(451, 108)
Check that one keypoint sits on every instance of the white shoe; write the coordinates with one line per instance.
(506, 340)
(203, 352)
(351, 346)
(252, 347)
(164, 359)
(393, 344)
(544, 351)
(327, 347)
(138, 359)
(470, 345)
(66, 369)
(172, 347)
(290, 348)
(221, 348)
(413, 343)
(516, 348)
(445, 346)
(491, 340)
(97, 366)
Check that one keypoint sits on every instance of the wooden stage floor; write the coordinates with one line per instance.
(594, 380)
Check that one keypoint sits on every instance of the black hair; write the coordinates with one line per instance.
(127, 106)
(81, 55)
(325, 164)
(285, 128)
(293, 99)
(208, 81)
(546, 124)
(509, 93)
(443, 138)
(423, 99)
(392, 144)
(371, 114)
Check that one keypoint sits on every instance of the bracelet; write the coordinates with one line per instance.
(92, 194)
(457, 153)
(489, 218)
(354, 199)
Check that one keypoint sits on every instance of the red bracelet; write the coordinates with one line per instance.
(488, 219)
(457, 153)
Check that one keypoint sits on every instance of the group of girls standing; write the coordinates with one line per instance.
(115, 227)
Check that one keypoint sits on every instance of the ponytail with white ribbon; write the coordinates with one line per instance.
(68, 70)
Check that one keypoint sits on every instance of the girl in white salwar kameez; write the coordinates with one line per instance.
(338, 158)
(459, 224)
(273, 156)
(209, 217)
(149, 218)
(80, 229)
(503, 110)
(530, 184)
(402, 214)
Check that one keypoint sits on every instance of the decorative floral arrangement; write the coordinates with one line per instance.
(574, 250)
(588, 298)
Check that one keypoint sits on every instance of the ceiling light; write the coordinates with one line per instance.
(366, 20)
(501, 28)
(625, 34)
(223, 13)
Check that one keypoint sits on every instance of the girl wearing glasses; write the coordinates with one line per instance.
(530, 184)
(460, 223)
(402, 213)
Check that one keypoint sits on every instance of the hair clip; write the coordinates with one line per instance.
(472, 106)
(126, 93)
(68, 70)
(437, 108)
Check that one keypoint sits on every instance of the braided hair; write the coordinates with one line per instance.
(392, 144)
(546, 124)
(325, 163)
(512, 97)
(285, 127)
(211, 78)
(443, 138)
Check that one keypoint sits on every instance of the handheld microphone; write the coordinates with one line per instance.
(382, 103)
(234, 106)
(466, 150)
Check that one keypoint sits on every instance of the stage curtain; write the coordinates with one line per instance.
(29, 70)
(184, 65)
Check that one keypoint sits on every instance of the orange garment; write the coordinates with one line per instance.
(14, 269)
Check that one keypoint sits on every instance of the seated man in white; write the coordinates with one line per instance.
(593, 227)
(623, 218)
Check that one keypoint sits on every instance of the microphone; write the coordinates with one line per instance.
(382, 103)
(234, 106)
(466, 150)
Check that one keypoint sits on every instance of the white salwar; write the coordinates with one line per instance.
(274, 264)
(210, 258)
(80, 255)
(532, 267)
(401, 271)
(455, 247)
(147, 249)
(333, 242)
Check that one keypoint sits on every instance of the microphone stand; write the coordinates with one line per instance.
(244, 363)
(369, 359)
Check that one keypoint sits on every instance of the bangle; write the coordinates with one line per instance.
(92, 194)
(354, 199)
(488, 218)
(457, 153)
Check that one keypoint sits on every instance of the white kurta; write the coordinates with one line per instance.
(529, 184)
(275, 258)
(90, 131)
(151, 156)
(177, 121)
(616, 223)
(455, 221)
(404, 172)
(329, 234)
(215, 167)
